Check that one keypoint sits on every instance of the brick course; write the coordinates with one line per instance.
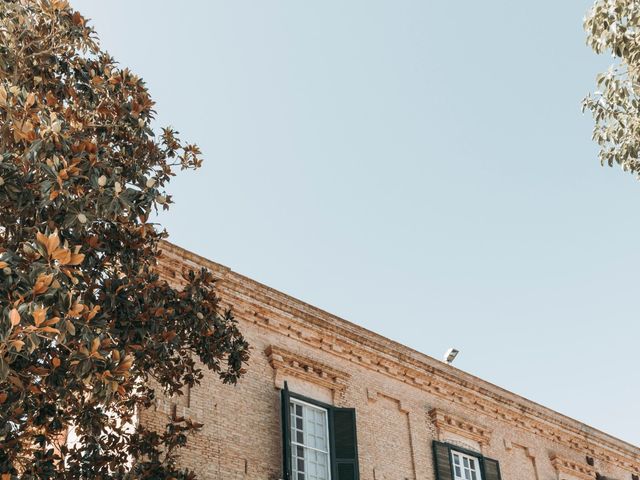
(404, 400)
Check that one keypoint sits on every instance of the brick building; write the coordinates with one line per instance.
(326, 399)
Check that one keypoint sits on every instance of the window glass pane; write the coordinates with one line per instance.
(465, 467)
(322, 443)
(310, 443)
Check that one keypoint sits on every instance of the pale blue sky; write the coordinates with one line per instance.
(420, 168)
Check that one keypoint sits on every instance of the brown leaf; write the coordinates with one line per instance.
(3, 264)
(42, 239)
(55, 361)
(50, 330)
(76, 310)
(70, 327)
(77, 19)
(27, 130)
(92, 313)
(15, 380)
(52, 321)
(60, 4)
(38, 370)
(76, 259)
(17, 344)
(168, 336)
(42, 283)
(51, 99)
(39, 314)
(23, 130)
(3, 97)
(52, 242)
(31, 99)
(62, 255)
(125, 365)
(14, 317)
(93, 241)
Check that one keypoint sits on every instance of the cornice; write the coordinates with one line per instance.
(574, 469)
(447, 422)
(285, 362)
(275, 311)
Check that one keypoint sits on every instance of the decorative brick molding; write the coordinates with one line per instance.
(287, 363)
(573, 469)
(446, 422)
(373, 395)
(508, 445)
(276, 312)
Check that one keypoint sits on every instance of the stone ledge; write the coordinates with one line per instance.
(447, 422)
(285, 362)
(573, 469)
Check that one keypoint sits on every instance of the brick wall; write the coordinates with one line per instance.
(404, 400)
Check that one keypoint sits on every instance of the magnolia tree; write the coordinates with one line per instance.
(613, 26)
(86, 325)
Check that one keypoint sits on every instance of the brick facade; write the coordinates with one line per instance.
(404, 400)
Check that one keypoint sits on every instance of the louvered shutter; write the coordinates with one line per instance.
(344, 444)
(491, 469)
(286, 434)
(442, 461)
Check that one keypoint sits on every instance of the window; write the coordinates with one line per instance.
(309, 441)
(319, 440)
(455, 463)
(465, 467)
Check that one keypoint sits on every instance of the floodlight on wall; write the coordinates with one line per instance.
(450, 356)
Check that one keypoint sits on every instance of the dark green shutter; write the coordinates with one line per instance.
(286, 434)
(491, 469)
(344, 444)
(442, 461)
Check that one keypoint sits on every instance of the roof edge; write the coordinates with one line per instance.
(404, 353)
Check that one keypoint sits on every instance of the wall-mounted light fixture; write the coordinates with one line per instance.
(450, 355)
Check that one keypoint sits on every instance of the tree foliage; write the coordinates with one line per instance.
(86, 325)
(613, 26)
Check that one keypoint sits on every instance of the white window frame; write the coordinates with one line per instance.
(293, 401)
(476, 462)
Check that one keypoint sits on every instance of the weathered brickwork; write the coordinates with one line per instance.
(403, 399)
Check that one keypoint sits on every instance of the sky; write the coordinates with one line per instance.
(420, 168)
